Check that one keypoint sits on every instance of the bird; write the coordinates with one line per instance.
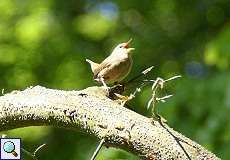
(115, 67)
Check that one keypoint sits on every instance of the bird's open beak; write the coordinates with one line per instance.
(130, 49)
(127, 44)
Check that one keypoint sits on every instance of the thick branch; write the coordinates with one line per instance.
(91, 111)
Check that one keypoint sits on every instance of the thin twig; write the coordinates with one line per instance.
(33, 155)
(176, 139)
(174, 77)
(162, 99)
(143, 73)
(171, 78)
(38, 148)
(97, 149)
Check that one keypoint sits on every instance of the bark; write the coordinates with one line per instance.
(91, 111)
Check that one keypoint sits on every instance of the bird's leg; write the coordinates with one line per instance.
(102, 80)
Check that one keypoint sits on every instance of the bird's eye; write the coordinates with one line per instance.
(120, 46)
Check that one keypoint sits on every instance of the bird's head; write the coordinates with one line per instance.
(123, 48)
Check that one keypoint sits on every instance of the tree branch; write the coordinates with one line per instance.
(92, 112)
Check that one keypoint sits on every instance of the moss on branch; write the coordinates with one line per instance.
(90, 110)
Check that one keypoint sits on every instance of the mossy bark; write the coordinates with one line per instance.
(90, 110)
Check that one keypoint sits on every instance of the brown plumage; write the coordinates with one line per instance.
(115, 67)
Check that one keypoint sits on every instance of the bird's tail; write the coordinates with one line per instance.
(93, 65)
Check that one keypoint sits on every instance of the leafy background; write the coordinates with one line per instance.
(46, 42)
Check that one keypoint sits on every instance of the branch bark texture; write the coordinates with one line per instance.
(90, 111)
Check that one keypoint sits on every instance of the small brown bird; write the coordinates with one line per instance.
(115, 67)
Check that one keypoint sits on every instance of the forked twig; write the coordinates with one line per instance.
(159, 83)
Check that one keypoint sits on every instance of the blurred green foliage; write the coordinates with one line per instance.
(46, 42)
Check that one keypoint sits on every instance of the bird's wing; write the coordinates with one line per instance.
(103, 65)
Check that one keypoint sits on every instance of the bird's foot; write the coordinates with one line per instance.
(107, 89)
(118, 89)
(123, 99)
